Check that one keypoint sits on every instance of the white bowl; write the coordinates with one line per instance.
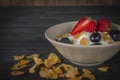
(82, 55)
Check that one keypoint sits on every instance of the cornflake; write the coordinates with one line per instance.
(17, 73)
(48, 73)
(86, 71)
(106, 37)
(52, 59)
(21, 64)
(38, 62)
(72, 73)
(16, 67)
(88, 74)
(49, 69)
(43, 73)
(32, 56)
(57, 70)
(66, 67)
(18, 57)
(104, 69)
(62, 36)
(51, 74)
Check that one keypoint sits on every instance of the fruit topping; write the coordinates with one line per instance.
(85, 24)
(103, 24)
(95, 37)
(91, 32)
(115, 35)
(65, 40)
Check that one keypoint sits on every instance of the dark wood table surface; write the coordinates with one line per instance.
(22, 32)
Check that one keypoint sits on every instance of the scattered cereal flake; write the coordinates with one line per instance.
(57, 70)
(104, 69)
(18, 67)
(32, 69)
(86, 71)
(52, 59)
(51, 74)
(89, 76)
(62, 70)
(66, 67)
(21, 64)
(17, 73)
(18, 57)
(38, 62)
(24, 62)
(32, 56)
(48, 73)
(43, 73)
(72, 73)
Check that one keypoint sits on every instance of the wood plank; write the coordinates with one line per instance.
(59, 2)
(4, 2)
(20, 2)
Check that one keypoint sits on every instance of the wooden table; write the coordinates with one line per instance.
(22, 32)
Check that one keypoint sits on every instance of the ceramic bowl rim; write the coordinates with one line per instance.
(78, 46)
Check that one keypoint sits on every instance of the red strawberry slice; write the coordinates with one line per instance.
(103, 24)
(85, 24)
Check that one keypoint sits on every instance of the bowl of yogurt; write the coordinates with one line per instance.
(86, 48)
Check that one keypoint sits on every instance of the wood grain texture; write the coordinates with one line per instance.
(4, 2)
(59, 2)
(20, 2)
(25, 26)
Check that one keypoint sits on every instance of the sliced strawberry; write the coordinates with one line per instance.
(85, 24)
(103, 24)
(91, 27)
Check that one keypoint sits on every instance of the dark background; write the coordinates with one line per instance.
(23, 23)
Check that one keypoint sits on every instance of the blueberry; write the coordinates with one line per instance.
(115, 35)
(65, 40)
(97, 44)
(95, 37)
